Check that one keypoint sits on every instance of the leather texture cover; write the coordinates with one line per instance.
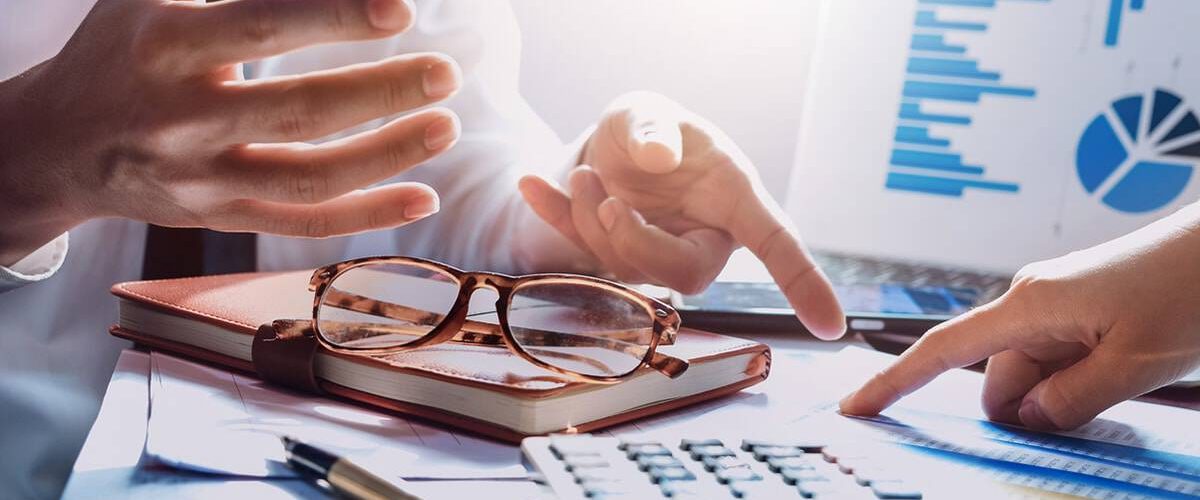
(243, 302)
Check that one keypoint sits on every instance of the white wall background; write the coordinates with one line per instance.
(740, 64)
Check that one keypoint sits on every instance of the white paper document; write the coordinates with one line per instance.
(210, 420)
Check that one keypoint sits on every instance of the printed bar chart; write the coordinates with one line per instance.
(940, 72)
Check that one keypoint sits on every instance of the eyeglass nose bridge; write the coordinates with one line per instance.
(469, 283)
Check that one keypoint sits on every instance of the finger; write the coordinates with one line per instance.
(383, 207)
(552, 205)
(687, 263)
(198, 38)
(760, 225)
(960, 342)
(1075, 395)
(296, 108)
(302, 173)
(586, 195)
(651, 128)
(1010, 375)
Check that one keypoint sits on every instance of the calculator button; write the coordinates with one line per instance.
(725, 462)
(647, 461)
(680, 489)
(563, 447)
(807, 446)
(779, 463)
(625, 444)
(726, 476)
(642, 450)
(710, 451)
(818, 489)
(895, 490)
(688, 444)
(762, 453)
(664, 474)
(748, 489)
(867, 476)
(574, 462)
(596, 476)
(606, 490)
(793, 476)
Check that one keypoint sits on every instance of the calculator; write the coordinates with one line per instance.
(585, 466)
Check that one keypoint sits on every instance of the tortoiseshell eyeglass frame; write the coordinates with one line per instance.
(454, 325)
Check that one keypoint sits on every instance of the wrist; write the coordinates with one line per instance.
(34, 205)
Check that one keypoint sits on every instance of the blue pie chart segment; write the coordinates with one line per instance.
(1145, 187)
(1100, 153)
(1145, 184)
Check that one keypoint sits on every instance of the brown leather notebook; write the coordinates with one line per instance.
(478, 388)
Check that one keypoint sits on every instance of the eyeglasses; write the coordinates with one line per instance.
(586, 328)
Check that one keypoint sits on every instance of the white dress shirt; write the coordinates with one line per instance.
(55, 352)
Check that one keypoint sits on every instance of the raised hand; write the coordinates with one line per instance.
(664, 196)
(142, 115)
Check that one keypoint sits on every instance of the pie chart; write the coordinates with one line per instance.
(1139, 155)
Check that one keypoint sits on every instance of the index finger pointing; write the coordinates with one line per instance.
(962, 341)
(760, 225)
(206, 36)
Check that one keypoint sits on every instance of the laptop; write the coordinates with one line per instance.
(946, 143)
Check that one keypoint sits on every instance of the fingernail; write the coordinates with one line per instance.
(440, 80)
(1032, 417)
(441, 133)
(422, 208)
(388, 15)
(607, 213)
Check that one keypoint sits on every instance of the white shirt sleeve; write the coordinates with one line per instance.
(37, 266)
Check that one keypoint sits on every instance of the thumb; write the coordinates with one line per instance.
(648, 125)
(1075, 395)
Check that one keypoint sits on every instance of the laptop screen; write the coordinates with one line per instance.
(992, 133)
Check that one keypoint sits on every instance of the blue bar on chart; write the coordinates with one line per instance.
(919, 135)
(912, 111)
(929, 19)
(943, 186)
(935, 43)
(949, 67)
(933, 161)
(1116, 14)
(940, 71)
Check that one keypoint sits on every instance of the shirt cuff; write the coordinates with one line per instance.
(37, 266)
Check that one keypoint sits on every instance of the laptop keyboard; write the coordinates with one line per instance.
(844, 269)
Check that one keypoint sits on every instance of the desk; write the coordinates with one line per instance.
(108, 465)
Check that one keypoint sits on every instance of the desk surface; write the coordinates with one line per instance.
(108, 465)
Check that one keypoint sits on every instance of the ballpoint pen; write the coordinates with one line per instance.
(345, 477)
